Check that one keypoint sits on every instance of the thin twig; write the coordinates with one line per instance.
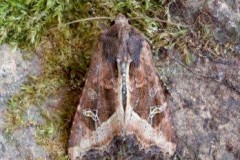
(111, 18)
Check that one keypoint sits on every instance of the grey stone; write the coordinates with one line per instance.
(206, 110)
(224, 16)
(14, 71)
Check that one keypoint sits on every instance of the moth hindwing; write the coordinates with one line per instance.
(122, 111)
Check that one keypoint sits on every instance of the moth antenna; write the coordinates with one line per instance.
(89, 19)
(161, 21)
(85, 19)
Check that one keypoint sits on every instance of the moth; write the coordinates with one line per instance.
(122, 112)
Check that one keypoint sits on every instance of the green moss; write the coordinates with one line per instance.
(65, 50)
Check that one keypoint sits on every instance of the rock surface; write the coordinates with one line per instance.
(206, 94)
(14, 71)
(206, 109)
(223, 16)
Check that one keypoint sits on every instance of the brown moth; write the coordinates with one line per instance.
(122, 112)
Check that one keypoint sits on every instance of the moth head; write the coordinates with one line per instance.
(121, 19)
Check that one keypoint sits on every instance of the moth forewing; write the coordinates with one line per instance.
(99, 116)
(147, 113)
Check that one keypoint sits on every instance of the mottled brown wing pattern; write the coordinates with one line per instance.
(123, 102)
(98, 103)
(149, 107)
